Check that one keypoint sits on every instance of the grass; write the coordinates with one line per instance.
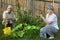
(28, 36)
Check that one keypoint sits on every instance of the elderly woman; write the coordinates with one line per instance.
(8, 16)
(51, 26)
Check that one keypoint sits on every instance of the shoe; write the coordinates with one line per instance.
(51, 38)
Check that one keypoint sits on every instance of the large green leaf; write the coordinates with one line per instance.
(16, 28)
(13, 34)
(28, 27)
(20, 33)
(35, 27)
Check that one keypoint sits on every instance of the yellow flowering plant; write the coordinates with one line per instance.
(7, 30)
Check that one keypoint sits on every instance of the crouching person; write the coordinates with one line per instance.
(51, 24)
(8, 17)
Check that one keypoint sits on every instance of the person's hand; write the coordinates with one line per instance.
(12, 19)
(16, 19)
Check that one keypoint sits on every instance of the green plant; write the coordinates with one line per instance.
(25, 18)
(26, 22)
(18, 32)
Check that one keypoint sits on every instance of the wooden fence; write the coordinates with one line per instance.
(32, 6)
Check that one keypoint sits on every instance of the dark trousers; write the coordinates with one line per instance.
(9, 24)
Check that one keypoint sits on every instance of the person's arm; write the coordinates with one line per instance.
(14, 17)
(11, 19)
(46, 21)
(7, 18)
(4, 16)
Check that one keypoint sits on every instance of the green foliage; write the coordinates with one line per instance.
(26, 22)
(32, 20)
(14, 34)
(18, 26)
(21, 32)
(27, 27)
(34, 27)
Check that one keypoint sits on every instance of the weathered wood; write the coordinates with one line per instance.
(32, 6)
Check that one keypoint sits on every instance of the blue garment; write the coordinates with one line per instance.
(50, 30)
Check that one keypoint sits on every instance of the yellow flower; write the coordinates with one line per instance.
(7, 30)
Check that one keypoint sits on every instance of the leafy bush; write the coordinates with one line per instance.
(17, 32)
(25, 18)
(26, 22)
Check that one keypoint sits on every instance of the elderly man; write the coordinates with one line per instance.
(8, 16)
(51, 23)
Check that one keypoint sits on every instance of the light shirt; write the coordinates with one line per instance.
(52, 18)
(7, 15)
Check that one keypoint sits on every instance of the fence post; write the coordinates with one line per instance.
(30, 7)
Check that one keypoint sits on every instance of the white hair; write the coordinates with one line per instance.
(9, 6)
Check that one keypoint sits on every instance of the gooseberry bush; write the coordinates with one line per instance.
(26, 22)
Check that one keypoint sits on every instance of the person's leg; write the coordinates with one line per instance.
(12, 23)
(5, 23)
(8, 24)
(47, 35)
(50, 31)
(43, 32)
